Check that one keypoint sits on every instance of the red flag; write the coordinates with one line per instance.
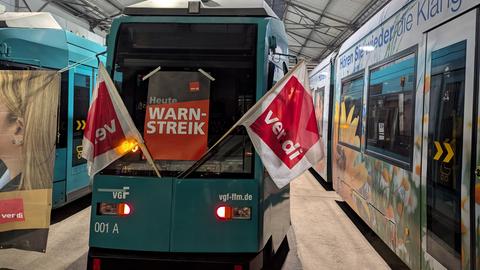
(103, 127)
(283, 128)
(110, 132)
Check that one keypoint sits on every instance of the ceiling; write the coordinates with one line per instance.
(97, 13)
(315, 27)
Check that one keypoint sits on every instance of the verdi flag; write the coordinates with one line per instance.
(28, 113)
(110, 132)
(283, 127)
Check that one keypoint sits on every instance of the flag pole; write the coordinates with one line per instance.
(145, 151)
(282, 80)
(128, 120)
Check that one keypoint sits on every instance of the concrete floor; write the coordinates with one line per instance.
(322, 237)
(326, 237)
(66, 249)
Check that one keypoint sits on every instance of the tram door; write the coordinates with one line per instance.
(79, 101)
(447, 152)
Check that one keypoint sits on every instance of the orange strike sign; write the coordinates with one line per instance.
(176, 119)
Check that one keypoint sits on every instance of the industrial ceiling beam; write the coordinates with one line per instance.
(319, 33)
(69, 7)
(308, 39)
(112, 3)
(315, 24)
(359, 19)
(310, 27)
(289, 22)
(296, 4)
(298, 53)
(26, 5)
(294, 38)
(95, 8)
(309, 47)
(305, 17)
(44, 6)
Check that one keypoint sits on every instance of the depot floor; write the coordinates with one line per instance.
(325, 234)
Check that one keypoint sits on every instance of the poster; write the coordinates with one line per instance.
(28, 127)
(176, 119)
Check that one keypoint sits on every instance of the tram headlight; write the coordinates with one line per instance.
(127, 146)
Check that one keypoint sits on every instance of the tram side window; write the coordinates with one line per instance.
(81, 100)
(351, 112)
(390, 109)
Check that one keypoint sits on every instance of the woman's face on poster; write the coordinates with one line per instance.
(11, 132)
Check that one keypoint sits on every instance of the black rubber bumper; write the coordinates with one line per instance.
(121, 259)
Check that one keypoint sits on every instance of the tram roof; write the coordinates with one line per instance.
(29, 20)
(249, 8)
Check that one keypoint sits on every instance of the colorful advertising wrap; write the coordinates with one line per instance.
(28, 125)
(176, 120)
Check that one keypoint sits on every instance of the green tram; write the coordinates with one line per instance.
(223, 209)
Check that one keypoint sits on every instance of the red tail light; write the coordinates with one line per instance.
(96, 264)
(224, 212)
(124, 209)
(114, 209)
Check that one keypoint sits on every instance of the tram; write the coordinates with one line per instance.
(404, 133)
(321, 80)
(36, 41)
(187, 71)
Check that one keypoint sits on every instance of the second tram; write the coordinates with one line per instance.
(36, 41)
(404, 133)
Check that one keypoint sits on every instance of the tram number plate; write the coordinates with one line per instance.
(105, 227)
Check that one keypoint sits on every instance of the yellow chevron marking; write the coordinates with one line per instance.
(81, 124)
(450, 152)
(439, 150)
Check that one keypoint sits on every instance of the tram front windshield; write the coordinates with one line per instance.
(185, 85)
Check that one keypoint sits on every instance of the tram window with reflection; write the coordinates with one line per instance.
(81, 101)
(390, 112)
(444, 174)
(350, 128)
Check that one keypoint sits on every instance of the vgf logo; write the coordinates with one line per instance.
(117, 193)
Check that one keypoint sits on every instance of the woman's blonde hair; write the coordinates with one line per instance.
(33, 97)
